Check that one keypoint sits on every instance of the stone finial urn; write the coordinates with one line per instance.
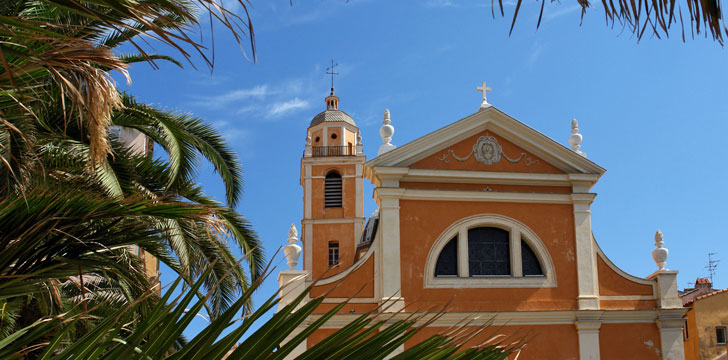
(292, 250)
(660, 253)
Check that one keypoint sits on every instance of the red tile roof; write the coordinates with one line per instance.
(705, 296)
(702, 281)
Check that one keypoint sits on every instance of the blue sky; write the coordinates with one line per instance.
(653, 113)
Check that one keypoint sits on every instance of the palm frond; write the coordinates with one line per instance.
(655, 17)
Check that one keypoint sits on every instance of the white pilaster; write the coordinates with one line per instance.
(587, 328)
(670, 323)
(359, 191)
(586, 260)
(307, 237)
(390, 255)
(292, 284)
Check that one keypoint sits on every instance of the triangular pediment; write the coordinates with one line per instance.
(488, 140)
(487, 151)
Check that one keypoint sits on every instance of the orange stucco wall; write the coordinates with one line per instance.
(359, 282)
(611, 283)
(348, 191)
(317, 137)
(465, 147)
(543, 342)
(629, 341)
(691, 344)
(322, 235)
(421, 222)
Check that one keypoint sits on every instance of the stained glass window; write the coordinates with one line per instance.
(447, 262)
(531, 266)
(488, 251)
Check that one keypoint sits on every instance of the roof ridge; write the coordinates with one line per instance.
(711, 294)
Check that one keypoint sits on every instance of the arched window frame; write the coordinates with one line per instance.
(518, 232)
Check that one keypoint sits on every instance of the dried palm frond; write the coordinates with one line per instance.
(653, 16)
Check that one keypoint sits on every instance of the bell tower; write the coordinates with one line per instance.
(331, 177)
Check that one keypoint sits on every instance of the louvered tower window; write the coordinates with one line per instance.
(332, 190)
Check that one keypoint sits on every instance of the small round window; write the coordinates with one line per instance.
(333, 136)
(317, 139)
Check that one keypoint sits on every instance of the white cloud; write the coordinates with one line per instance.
(464, 3)
(548, 16)
(536, 50)
(282, 108)
(439, 3)
(217, 101)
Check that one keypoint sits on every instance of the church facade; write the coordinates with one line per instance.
(486, 216)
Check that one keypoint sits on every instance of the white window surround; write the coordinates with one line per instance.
(518, 232)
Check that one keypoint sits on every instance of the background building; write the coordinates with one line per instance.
(706, 321)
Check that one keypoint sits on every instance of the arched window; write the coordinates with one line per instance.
(332, 190)
(447, 262)
(333, 253)
(489, 251)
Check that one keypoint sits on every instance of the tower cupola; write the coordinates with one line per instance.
(332, 101)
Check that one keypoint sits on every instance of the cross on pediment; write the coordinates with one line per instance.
(484, 89)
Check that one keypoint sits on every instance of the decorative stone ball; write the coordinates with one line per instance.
(575, 140)
(660, 257)
(386, 131)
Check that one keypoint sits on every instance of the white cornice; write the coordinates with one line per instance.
(458, 195)
(333, 160)
(333, 221)
(510, 317)
(377, 174)
(498, 122)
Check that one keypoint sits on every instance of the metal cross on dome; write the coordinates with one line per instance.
(483, 89)
(331, 71)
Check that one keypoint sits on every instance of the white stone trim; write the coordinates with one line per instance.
(333, 300)
(460, 228)
(496, 196)
(480, 177)
(627, 297)
(324, 177)
(338, 160)
(500, 123)
(513, 318)
(307, 249)
(334, 221)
